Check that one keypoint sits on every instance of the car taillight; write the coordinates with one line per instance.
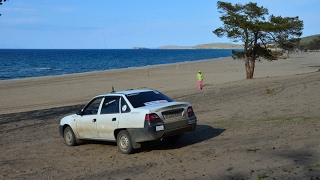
(190, 111)
(152, 117)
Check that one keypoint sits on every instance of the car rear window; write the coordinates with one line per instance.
(147, 98)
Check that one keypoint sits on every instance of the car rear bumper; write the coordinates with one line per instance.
(154, 132)
(173, 132)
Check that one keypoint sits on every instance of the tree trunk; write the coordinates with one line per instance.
(249, 68)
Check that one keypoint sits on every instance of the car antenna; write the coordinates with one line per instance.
(112, 89)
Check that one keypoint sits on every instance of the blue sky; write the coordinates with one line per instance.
(123, 24)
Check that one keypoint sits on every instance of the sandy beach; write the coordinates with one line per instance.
(264, 128)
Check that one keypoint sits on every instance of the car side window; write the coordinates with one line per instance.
(93, 107)
(110, 105)
(124, 106)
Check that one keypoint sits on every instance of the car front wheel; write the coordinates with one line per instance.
(69, 137)
(124, 142)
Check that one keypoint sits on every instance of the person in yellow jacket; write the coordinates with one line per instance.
(200, 79)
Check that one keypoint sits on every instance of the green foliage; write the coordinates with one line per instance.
(269, 91)
(262, 176)
(1, 3)
(250, 24)
(315, 167)
(261, 52)
(313, 44)
(230, 169)
(308, 39)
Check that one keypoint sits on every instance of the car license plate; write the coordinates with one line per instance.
(192, 121)
(167, 116)
(160, 128)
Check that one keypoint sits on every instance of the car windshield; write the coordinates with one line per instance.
(147, 98)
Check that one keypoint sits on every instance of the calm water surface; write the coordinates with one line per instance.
(24, 63)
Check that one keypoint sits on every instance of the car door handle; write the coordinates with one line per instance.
(94, 120)
(114, 119)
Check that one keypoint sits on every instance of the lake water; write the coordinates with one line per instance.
(24, 63)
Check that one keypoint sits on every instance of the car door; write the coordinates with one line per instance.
(87, 122)
(109, 117)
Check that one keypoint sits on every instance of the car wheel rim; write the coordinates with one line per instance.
(68, 137)
(124, 142)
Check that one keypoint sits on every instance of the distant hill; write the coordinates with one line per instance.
(205, 46)
(219, 46)
(304, 40)
(308, 39)
(175, 47)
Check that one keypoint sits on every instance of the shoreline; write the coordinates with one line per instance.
(119, 69)
(19, 95)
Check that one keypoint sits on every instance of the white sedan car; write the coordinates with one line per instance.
(129, 118)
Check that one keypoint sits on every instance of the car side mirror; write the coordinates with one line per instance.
(79, 112)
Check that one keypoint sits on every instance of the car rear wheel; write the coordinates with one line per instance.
(69, 137)
(124, 142)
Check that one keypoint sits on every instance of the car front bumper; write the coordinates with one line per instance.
(61, 130)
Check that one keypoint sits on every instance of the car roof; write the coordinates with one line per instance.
(126, 92)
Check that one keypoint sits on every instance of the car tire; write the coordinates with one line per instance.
(173, 139)
(124, 142)
(69, 137)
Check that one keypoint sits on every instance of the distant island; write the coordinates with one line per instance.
(200, 46)
(140, 48)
